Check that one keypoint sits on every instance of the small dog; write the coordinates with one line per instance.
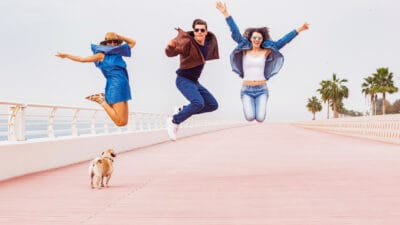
(102, 167)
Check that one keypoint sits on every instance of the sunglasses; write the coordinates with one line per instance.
(256, 38)
(112, 41)
(202, 30)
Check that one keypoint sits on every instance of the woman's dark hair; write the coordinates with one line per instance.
(199, 22)
(264, 31)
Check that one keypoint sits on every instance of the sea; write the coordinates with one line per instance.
(38, 129)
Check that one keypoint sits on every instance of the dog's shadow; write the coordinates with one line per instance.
(124, 186)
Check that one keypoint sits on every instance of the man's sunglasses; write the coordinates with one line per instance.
(202, 30)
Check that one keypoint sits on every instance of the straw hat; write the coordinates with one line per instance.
(111, 36)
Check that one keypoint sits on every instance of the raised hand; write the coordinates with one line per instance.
(305, 26)
(172, 43)
(222, 8)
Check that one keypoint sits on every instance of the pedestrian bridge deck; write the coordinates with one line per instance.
(254, 175)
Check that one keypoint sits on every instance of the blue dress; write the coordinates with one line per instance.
(114, 70)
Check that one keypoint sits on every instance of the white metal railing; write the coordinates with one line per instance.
(381, 127)
(19, 122)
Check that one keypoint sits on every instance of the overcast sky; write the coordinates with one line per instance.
(351, 38)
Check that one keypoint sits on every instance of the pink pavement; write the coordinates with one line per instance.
(270, 174)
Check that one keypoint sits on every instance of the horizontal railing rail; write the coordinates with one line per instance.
(380, 127)
(19, 122)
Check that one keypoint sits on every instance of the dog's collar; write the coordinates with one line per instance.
(110, 158)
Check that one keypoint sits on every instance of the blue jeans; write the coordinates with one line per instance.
(201, 100)
(254, 99)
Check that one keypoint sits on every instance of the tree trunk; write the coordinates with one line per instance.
(327, 115)
(372, 105)
(383, 103)
(313, 116)
(335, 112)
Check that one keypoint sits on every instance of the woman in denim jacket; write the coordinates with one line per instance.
(256, 59)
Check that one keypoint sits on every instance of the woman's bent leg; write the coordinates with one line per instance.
(248, 107)
(261, 107)
(261, 100)
(118, 112)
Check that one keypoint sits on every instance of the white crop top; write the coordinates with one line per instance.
(253, 67)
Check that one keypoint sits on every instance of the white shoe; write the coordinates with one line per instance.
(172, 128)
(177, 109)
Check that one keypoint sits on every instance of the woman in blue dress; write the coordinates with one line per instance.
(108, 58)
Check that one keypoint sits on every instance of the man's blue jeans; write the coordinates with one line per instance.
(201, 100)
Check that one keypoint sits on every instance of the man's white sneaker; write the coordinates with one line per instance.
(172, 128)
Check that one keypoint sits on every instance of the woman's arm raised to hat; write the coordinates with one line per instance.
(93, 58)
(128, 40)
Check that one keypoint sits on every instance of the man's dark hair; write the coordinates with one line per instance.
(199, 22)
(262, 30)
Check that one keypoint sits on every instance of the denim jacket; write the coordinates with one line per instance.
(274, 61)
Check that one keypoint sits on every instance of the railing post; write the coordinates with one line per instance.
(106, 130)
(150, 122)
(50, 128)
(131, 123)
(147, 121)
(160, 122)
(74, 128)
(119, 129)
(93, 123)
(139, 119)
(16, 123)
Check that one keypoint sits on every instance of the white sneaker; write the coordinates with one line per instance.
(172, 128)
(177, 109)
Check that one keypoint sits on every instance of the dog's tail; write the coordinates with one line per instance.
(96, 162)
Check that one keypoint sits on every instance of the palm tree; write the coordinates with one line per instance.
(384, 84)
(325, 91)
(314, 105)
(369, 88)
(333, 91)
(339, 91)
(339, 106)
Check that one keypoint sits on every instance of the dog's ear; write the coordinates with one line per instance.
(99, 161)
